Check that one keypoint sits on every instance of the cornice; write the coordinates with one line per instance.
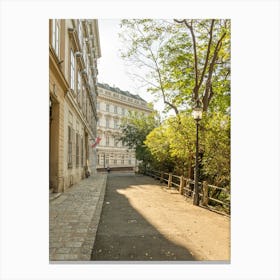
(123, 103)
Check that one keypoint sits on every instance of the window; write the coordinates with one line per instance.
(77, 150)
(79, 85)
(56, 35)
(70, 147)
(123, 111)
(72, 70)
(82, 152)
(107, 140)
(107, 123)
(107, 107)
(115, 161)
(115, 109)
(86, 112)
(115, 141)
(115, 124)
(122, 159)
(129, 161)
(98, 159)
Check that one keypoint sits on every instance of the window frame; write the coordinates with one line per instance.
(107, 140)
(70, 148)
(82, 151)
(77, 149)
(72, 69)
(56, 36)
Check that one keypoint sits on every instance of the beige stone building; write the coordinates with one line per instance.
(112, 105)
(74, 48)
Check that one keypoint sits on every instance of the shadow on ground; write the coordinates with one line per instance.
(125, 235)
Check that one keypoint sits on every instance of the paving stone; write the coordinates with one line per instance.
(70, 257)
(63, 250)
(71, 219)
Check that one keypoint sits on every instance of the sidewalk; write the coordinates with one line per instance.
(74, 218)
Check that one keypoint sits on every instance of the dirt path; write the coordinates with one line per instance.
(142, 220)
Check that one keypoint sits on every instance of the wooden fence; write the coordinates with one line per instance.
(185, 186)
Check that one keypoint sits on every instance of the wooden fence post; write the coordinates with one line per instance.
(169, 180)
(182, 184)
(188, 192)
(205, 193)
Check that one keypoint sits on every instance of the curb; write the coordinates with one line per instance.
(54, 196)
(88, 245)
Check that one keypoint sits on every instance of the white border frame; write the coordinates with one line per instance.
(24, 138)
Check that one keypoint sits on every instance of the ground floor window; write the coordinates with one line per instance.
(70, 140)
(82, 152)
(77, 150)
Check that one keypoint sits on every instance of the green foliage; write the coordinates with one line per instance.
(135, 127)
(216, 148)
(182, 61)
(165, 51)
(174, 143)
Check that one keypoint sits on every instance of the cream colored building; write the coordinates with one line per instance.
(112, 105)
(74, 48)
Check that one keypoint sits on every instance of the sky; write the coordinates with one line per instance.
(111, 67)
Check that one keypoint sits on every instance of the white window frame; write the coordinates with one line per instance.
(72, 69)
(79, 87)
(56, 36)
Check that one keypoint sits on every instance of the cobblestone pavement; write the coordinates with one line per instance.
(74, 218)
(142, 220)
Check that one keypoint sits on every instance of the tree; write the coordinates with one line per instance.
(216, 149)
(157, 141)
(143, 40)
(184, 60)
(209, 62)
(135, 127)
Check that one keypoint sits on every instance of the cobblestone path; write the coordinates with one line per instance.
(73, 220)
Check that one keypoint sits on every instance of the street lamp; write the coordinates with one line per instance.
(197, 115)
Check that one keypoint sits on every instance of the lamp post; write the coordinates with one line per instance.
(197, 115)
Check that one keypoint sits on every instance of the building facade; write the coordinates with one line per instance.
(74, 48)
(112, 105)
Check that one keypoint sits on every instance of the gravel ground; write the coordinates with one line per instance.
(142, 220)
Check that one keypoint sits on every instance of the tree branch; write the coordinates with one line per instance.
(208, 53)
(159, 74)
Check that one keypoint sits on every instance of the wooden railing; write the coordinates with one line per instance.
(185, 186)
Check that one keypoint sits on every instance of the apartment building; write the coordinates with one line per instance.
(74, 48)
(112, 105)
